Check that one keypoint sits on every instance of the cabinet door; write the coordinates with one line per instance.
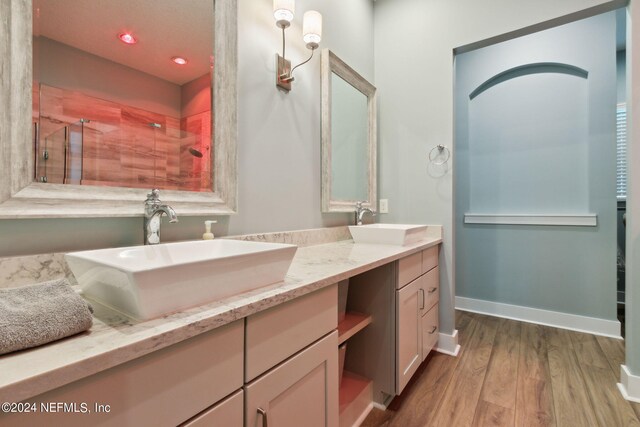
(409, 304)
(302, 391)
(227, 413)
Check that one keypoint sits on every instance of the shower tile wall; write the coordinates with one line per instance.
(120, 147)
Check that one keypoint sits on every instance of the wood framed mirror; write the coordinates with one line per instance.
(23, 192)
(349, 146)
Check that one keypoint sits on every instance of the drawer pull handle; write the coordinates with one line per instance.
(422, 293)
(265, 422)
(433, 329)
(432, 290)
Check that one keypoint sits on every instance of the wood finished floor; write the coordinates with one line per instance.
(511, 373)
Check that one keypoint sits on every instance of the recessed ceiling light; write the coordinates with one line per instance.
(179, 60)
(127, 38)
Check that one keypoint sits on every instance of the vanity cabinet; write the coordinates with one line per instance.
(283, 360)
(402, 298)
(416, 312)
(291, 365)
(166, 387)
(277, 367)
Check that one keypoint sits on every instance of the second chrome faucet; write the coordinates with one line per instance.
(360, 211)
(153, 210)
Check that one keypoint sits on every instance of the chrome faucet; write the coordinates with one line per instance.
(360, 211)
(153, 210)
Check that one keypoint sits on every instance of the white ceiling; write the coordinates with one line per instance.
(164, 28)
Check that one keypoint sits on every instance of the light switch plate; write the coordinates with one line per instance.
(384, 206)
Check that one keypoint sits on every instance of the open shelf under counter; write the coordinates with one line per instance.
(352, 324)
(356, 399)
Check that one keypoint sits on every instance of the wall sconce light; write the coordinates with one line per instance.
(283, 11)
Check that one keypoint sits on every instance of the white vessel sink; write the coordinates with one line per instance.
(150, 281)
(388, 234)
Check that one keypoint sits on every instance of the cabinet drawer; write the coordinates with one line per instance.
(430, 331)
(431, 288)
(430, 258)
(277, 333)
(302, 391)
(166, 387)
(228, 413)
(409, 268)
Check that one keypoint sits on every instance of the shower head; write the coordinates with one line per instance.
(195, 153)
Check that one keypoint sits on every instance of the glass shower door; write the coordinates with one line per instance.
(51, 157)
(73, 153)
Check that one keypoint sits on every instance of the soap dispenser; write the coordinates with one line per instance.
(208, 235)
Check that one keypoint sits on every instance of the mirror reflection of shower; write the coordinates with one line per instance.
(145, 110)
(60, 154)
(195, 152)
(113, 144)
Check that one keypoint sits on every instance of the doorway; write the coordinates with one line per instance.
(535, 196)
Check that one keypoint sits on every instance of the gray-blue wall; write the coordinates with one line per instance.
(414, 41)
(539, 144)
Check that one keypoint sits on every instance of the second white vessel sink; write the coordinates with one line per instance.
(388, 234)
(145, 282)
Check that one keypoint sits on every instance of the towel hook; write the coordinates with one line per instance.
(441, 149)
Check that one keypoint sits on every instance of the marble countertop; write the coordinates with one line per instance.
(115, 339)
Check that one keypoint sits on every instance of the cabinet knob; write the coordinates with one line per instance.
(422, 294)
(433, 329)
(265, 422)
(432, 290)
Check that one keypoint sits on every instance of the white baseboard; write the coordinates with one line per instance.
(363, 416)
(574, 322)
(629, 385)
(448, 344)
(380, 406)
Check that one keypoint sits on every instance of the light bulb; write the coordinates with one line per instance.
(283, 12)
(127, 38)
(312, 29)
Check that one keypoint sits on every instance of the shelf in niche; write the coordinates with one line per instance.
(580, 220)
(356, 399)
(352, 324)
